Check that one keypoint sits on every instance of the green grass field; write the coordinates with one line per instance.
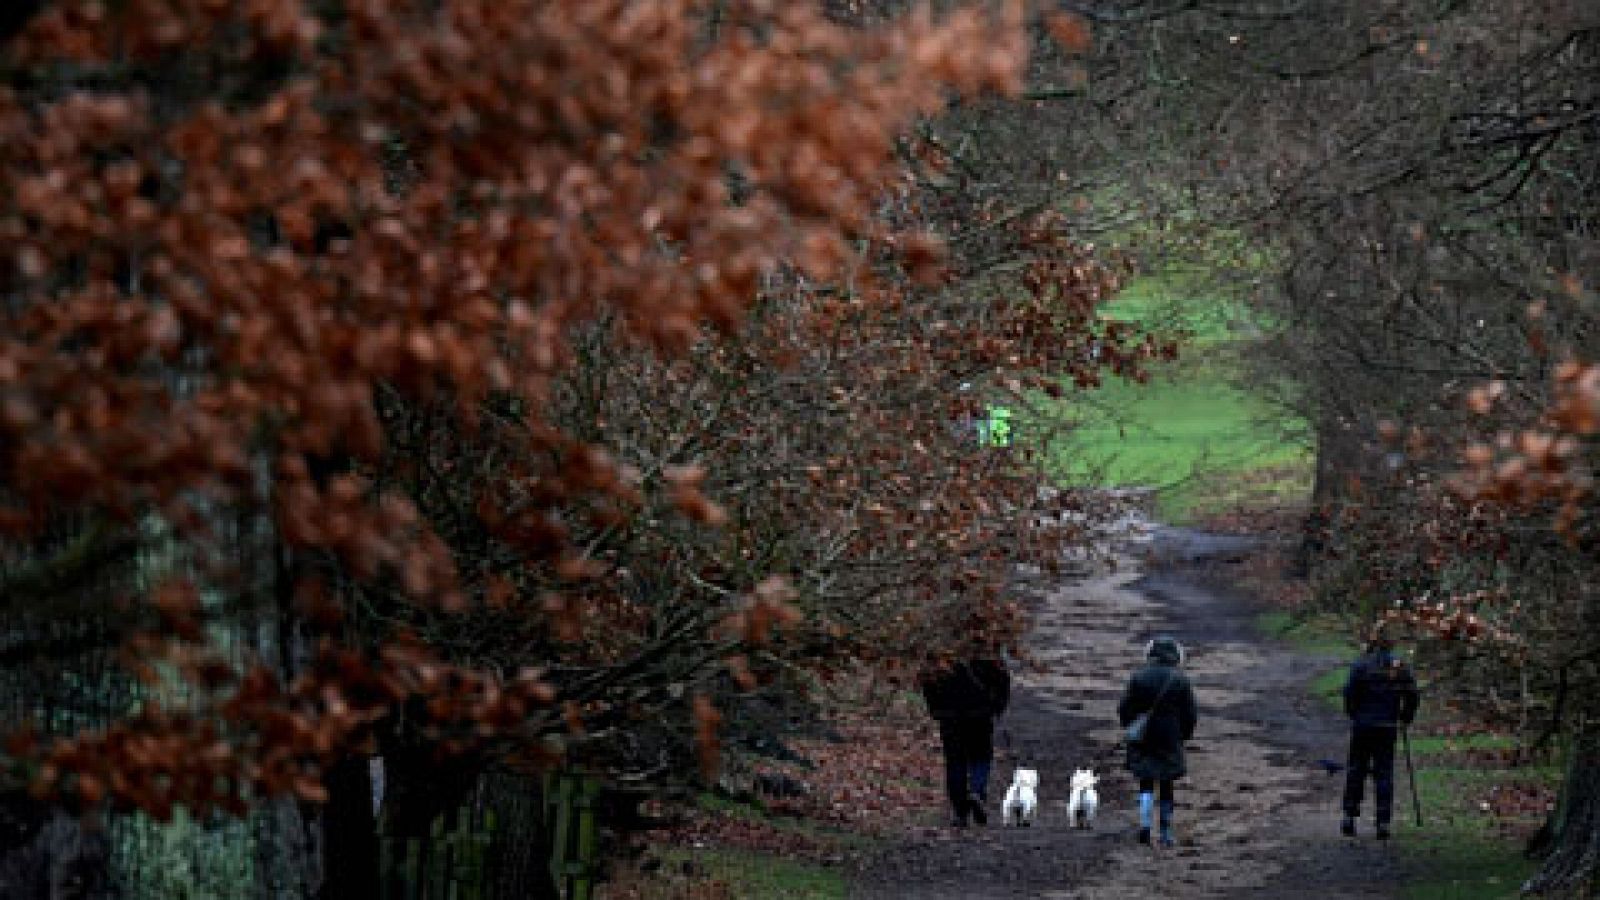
(1207, 442)
(1175, 303)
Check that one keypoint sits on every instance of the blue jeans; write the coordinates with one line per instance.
(968, 756)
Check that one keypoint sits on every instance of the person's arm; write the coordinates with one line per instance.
(1125, 707)
(1352, 689)
(1001, 690)
(1188, 713)
(929, 682)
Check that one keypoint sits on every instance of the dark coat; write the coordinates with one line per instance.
(1380, 691)
(1160, 754)
(972, 689)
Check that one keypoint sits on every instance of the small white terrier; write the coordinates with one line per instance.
(1084, 802)
(1021, 798)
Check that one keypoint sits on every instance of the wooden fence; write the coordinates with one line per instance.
(458, 861)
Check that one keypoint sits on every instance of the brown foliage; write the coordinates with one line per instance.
(335, 279)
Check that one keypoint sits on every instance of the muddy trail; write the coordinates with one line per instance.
(1257, 816)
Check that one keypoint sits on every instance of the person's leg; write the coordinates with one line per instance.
(982, 756)
(979, 741)
(1168, 804)
(1355, 780)
(955, 768)
(1147, 802)
(1382, 756)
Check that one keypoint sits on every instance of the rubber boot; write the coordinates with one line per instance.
(1166, 825)
(1147, 802)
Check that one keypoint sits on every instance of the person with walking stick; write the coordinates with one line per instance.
(1380, 697)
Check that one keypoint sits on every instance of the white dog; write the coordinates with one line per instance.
(1084, 802)
(1021, 798)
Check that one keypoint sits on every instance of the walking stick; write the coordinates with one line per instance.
(1411, 774)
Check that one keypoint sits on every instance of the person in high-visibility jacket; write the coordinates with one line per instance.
(996, 430)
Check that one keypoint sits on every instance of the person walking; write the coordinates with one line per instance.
(1160, 692)
(1380, 697)
(965, 697)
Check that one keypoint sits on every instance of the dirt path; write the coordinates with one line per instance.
(1256, 817)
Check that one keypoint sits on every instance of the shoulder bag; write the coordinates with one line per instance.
(1141, 722)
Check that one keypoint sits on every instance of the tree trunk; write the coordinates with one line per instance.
(1314, 528)
(288, 839)
(1575, 854)
(288, 855)
(350, 844)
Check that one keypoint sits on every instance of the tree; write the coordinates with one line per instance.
(367, 377)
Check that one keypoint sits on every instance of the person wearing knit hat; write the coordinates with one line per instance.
(1160, 700)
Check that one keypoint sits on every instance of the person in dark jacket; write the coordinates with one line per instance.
(1380, 696)
(1163, 690)
(965, 698)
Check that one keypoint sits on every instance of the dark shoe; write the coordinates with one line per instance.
(1144, 836)
(1347, 827)
(1383, 832)
(980, 816)
(958, 823)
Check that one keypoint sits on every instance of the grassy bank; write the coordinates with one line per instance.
(868, 777)
(747, 875)
(1324, 636)
(1478, 814)
(1321, 635)
(742, 848)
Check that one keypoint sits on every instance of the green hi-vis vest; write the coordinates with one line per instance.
(996, 431)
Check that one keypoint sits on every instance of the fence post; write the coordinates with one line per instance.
(451, 863)
(473, 855)
(588, 839)
(411, 870)
(385, 863)
(570, 818)
(560, 820)
(438, 876)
